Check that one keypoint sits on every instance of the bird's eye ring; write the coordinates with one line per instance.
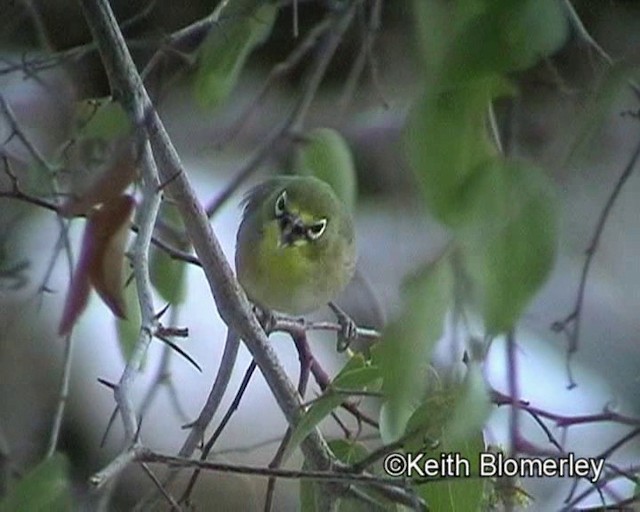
(281, 204)
(315, 230)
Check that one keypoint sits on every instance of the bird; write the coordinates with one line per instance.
(296, 246)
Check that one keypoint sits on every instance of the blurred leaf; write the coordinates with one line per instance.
(44, 489)
(79, 287)
(326, 155)
(224, 52)
(510, 35)
(129, 328)
(427, 423)
(450, 412)
(355, 376)
(446, 139)
(407, 342)
(168, 275)
(436, 25)
(457, 494)
(510, 247)
(101, 118)
(348, 450)
(471, 408)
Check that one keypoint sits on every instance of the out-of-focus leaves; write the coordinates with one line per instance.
(457, 494)
(436, 25)
(355, 376)
(427, 424)
(446, 139)
(101, 261)
(224, 51)
(509, 35)
(168, 276)
(101, 118)
(450, 420)
(407, 343)
(510, 247)
(347, 450)
(471, 409)
(44, 489)
(325, 154)
(465, 183)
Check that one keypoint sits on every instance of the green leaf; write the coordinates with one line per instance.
(457, 494)
(509, 35)
(436, 25)
(510, 247)
(471, 408)
(44, 489)
(428, 422)
(325, 154)
(348, 450)
(101, 118)
(446, 138)
(407, 343)
(355, 376)
(129, 328)
(225, 50)
(168, 275)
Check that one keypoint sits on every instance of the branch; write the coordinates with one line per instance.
(571, 323)
(39, 158)
(230, 300)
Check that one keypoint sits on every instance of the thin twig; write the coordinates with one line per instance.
(364, 55)
(570, 325)
(293, 122)
(321, 476)
(231, 302)
(39, 158)
(306, 360)
(162, 374)
(586, 36)
(167, 496)
(218, 389)
(218, 432)
(63, 395)
(562, 420)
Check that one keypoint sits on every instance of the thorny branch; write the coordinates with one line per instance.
(231, 302)
(188, 37)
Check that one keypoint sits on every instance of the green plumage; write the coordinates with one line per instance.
(301, 274)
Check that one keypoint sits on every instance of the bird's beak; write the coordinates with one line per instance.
(291, 229)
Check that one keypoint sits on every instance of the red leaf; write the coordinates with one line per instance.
(101, 260)
(79, 288)
(110, 229)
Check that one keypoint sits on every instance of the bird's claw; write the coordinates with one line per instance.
(348, 328)
(266, 318)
